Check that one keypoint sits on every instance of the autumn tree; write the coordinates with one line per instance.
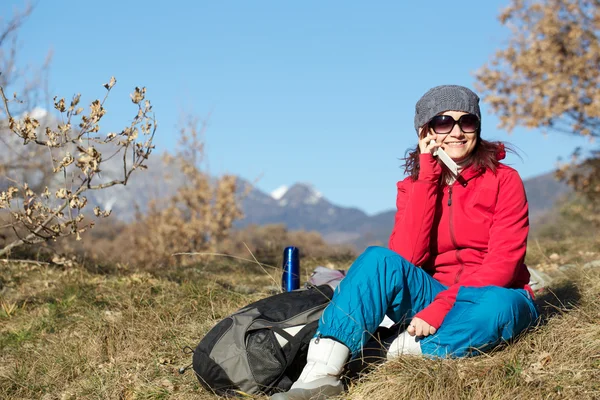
(548, 77)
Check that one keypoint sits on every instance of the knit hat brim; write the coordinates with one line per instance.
(445, 98)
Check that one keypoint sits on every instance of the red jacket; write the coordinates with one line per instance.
(470, 233)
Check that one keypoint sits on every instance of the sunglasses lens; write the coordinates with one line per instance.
(469, 123)
(442, 124)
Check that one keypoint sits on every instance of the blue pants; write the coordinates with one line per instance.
(380, 282)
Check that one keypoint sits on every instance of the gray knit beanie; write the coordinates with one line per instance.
(445, 98)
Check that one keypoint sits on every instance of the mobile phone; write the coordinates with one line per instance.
(445, 158)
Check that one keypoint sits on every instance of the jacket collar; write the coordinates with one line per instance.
(467, 174)
(470, 172)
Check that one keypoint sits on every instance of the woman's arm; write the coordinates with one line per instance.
(415, 204)
(506, 250)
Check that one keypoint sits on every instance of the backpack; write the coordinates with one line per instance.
(261, 348)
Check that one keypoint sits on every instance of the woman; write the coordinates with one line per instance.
(454, 267)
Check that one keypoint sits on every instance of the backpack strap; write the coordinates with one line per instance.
(287, 336)
(295, 342)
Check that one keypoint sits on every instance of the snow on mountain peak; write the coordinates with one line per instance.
(278, 193)
(314, 196)
(297, 194)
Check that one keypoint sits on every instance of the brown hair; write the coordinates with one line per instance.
(485, 155)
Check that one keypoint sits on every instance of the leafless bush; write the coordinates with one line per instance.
(74, 150)
(48, 162)
(197, 218)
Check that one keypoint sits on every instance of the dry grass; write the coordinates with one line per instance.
(74, 334)
(80, 335)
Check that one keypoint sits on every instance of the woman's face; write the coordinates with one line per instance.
(457, 144)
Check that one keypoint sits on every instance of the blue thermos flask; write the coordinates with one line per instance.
(290, 279)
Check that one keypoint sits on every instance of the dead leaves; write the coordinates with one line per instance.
(547, 77)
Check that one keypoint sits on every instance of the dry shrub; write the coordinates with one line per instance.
(51, 160)
(267, 242)
(196, 218)
(74, 150)
(583, 174)
(572, 218)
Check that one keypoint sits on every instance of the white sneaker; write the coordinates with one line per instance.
(320, 377)
(321, 390)
(404, 344)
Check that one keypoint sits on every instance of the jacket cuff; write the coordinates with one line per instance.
(434, 313)
(429, 168)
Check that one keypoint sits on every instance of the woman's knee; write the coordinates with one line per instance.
(376, 258)
(508, 311)
(511, 302)
(378, 255)
(378, 252)
(378, 264)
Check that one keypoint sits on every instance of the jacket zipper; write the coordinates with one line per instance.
(458, 257)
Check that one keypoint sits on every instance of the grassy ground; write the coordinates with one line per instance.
(70, 333)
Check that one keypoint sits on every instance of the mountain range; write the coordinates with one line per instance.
(301, 206)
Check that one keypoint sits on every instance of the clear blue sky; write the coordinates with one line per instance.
(297, 91)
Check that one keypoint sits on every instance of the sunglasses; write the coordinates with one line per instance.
(443, 124)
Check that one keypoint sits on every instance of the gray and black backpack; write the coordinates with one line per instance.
(261, 348)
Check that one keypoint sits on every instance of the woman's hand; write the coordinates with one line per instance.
(426, 147)
(419, 327)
